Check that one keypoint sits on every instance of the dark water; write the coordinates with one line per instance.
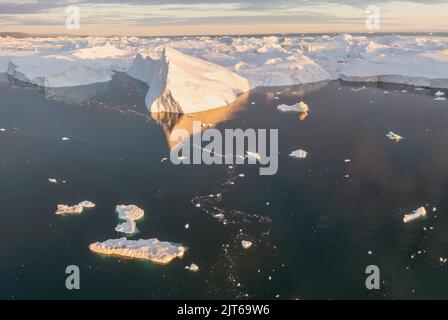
(312, 239)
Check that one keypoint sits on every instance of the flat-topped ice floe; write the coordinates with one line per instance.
(416, 214)
(393, 136)
(179, 83)
(153, 250)
(298, 107)
(128, 213)
(76, 209)
(298, 154)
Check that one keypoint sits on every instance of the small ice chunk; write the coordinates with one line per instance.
(420, 212)
(440, 99)
(2, 129)
(241, 175)
(393, 136)
(76, 209)
(53, 180)
(246, 244)
(299, 154)
(439, 94)
(187, 226)
(298, 107)
(192, 267)
(65, 139)
(147, 249)
(253, 155)
(347, 160)
(163, 159)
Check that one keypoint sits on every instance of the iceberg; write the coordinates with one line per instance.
(298, 107)
(298, 154)
(153, 250)
(416, 214)
(393, 136)
(193, 267)
(179, 83)
(76, 209)
(246, 244)
(128, 213)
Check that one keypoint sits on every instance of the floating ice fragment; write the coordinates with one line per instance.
(299, 154)
(53, 180)
(187, 226)
(163, 159)
(439, 94)
(2, 130)
(298, 107)
(129, 212)
(253, 156)
(347, 160)
(192, 267)
(246, 244)
(76, 209)
(241, 175)
(147, 249)
(440, 99)
(394, 136)
(65, 139)
(420, 212)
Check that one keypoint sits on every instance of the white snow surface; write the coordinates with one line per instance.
(146, 249)
(191, 74)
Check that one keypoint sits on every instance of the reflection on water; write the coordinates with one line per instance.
(315, 225)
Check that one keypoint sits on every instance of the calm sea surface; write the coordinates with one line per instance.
(312, 224)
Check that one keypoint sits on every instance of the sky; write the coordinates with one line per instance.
(207, 17)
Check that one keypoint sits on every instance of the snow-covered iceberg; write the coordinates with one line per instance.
(416, 214)
(128, 213)
(151, 249)
(179, 83)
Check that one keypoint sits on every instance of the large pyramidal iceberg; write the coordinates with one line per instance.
(179, 83)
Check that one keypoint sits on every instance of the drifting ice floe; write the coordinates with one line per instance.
(298, 107)
(416, 214)
(394, 136)
(151, 249)
(246, 244)
(129, 213)
(299, 154)
(76, 209)
(193, 267)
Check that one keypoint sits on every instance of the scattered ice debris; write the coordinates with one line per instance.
(128, 213)
(419, 89)
(76, 209)
(416, 214)
(253, 156)
(192, 267)
(393, 136)
(439, 99)
(65, 139)
(299, 154)
(246, 244)
(56, 181)
(147, 249)
(358, 89)
(197, 205)
(298, 107)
